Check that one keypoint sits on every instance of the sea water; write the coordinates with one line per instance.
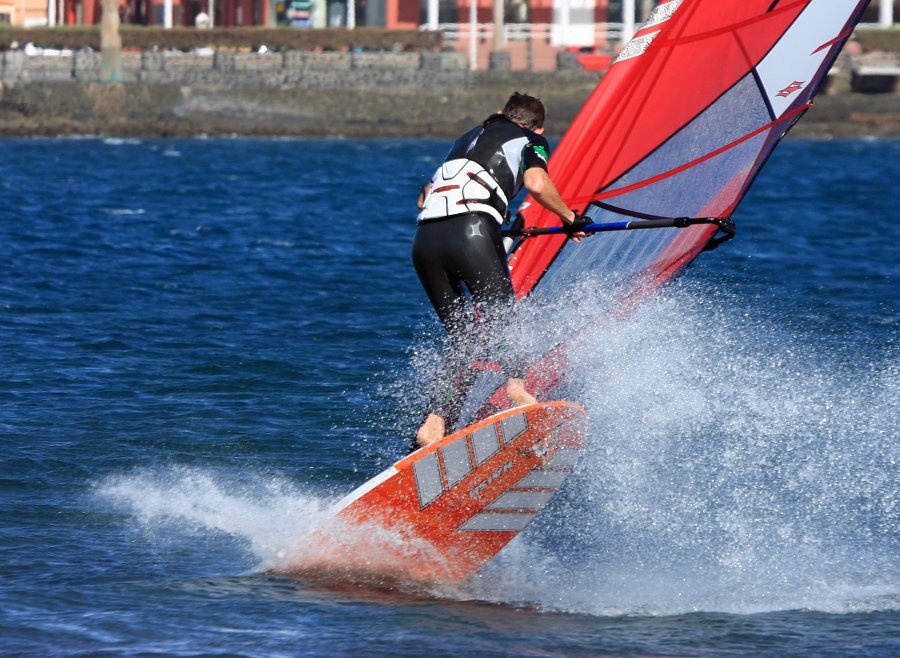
(204, 343)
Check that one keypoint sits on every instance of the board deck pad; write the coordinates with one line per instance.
(442, 512)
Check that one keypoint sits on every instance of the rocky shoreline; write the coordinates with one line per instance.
(394, 95)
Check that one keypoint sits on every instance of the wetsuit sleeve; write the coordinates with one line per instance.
(536, 153)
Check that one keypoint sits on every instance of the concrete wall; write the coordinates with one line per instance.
(877, 73)
(327, 94)
(295, 68)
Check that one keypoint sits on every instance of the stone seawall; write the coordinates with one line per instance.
(319, 94)
(294, 67)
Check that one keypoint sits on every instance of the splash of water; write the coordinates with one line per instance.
(731, 468)
(273, 516)
(285, 529)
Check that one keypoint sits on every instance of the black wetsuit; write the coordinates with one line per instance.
(457, 246)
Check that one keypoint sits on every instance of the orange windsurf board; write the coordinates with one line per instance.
(442, 512)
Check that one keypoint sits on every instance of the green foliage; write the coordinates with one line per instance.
(186, 39)
(886, 40)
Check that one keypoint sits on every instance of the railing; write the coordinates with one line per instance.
(611, 32)
(524, 31)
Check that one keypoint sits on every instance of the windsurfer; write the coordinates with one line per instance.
(457, 243)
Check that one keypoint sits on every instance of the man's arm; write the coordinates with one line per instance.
(422, 194)
(539, 185)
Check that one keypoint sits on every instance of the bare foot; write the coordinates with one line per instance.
(431, 430)
(515, 389)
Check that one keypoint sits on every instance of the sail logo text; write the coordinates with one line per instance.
(791, 88)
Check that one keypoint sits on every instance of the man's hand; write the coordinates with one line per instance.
(574, 228)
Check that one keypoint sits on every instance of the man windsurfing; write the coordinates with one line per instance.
(458, 246)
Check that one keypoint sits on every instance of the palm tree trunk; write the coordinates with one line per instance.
(110, 43)
(498, 24)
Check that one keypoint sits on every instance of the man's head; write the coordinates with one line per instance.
(526, 111)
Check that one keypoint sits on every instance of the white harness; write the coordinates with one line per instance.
(463, 186)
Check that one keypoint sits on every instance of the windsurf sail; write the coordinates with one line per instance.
(679, 127)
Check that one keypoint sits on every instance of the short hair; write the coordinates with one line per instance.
(525, 110)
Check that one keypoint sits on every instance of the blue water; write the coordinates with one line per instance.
(204, 342)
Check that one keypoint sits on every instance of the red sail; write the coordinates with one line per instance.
(679, 127)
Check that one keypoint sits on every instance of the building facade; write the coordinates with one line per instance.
(297, 13)
(24, 13)
(570, 21)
